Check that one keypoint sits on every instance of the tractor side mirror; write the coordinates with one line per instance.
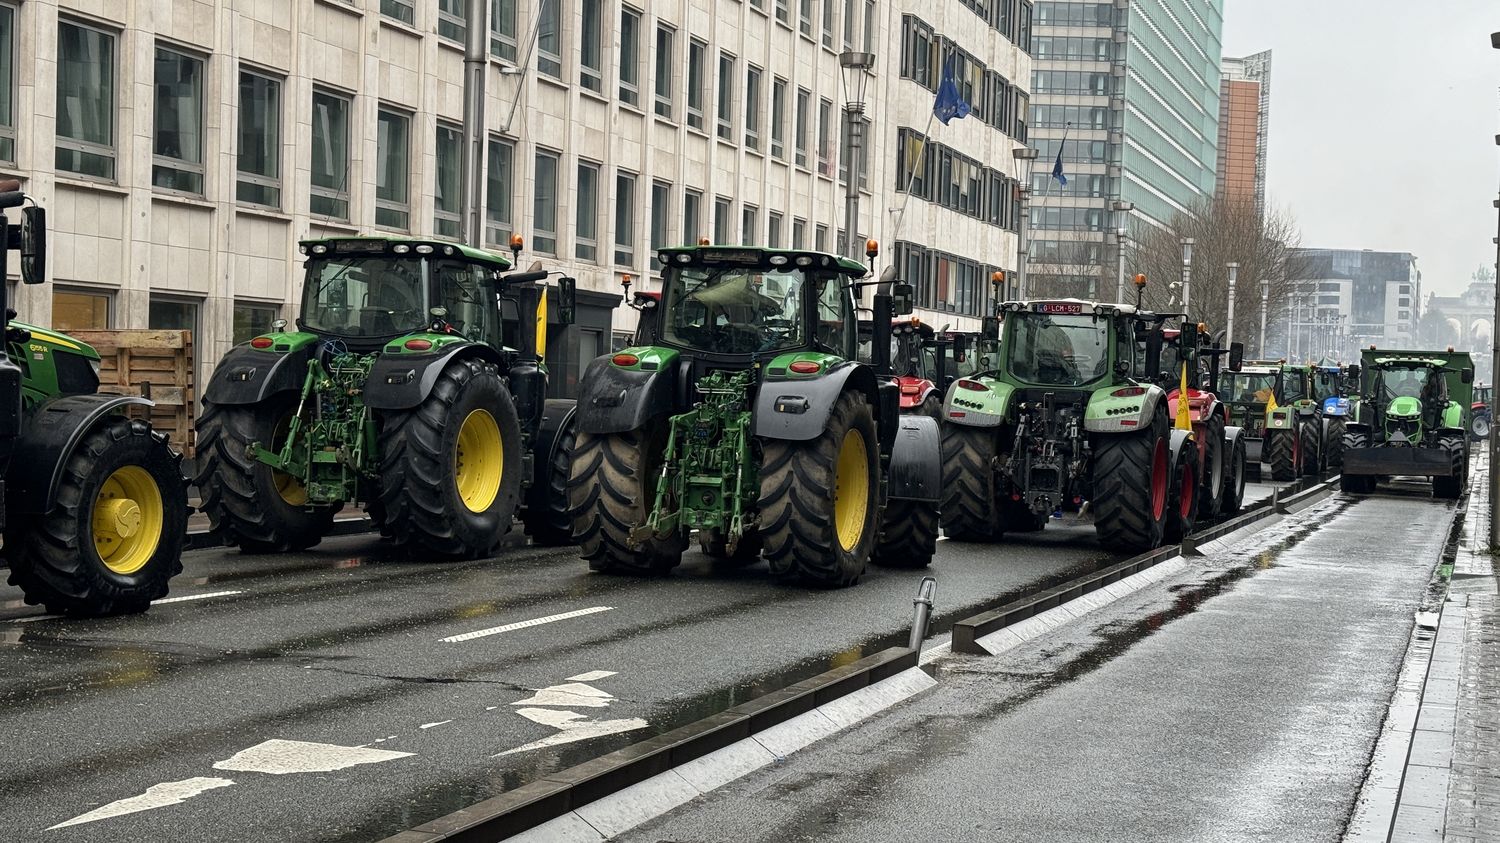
(567, 300)
(989, 328)
(1466, 375)
(901, 299)
(1154, 341)
(33, 244)
(960, 347)
(1236, 356)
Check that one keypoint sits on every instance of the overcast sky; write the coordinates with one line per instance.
(1383, 123)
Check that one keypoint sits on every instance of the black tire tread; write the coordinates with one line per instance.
(908, 535)
(1356, 484)
(1311, 431)
(969, 510)
(609, 493)
(1281, 454)
(1452, 487)
(1122, 489)
(1335, 444)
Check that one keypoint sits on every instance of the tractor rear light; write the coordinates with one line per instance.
(1129, 392)
(1128, 422)
(626, 360)
(418, 344)
(956, 415)
(261, 342)
(910, 389)
(806, 367)
(974, 386)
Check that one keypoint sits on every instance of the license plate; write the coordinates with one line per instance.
(1060, 307)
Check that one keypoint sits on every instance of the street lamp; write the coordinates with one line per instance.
(855, 68)
(1234, 272)
(1265, 300)
(1121, 236)
(1026, 159)
(1187, 270)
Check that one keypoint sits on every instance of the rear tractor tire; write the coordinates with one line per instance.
(971, 508)
(1333, 442)
(1452, 487)
(1215, 453)
(825, 537)
(1187, 486)
(908, 535)
(249, 503)
(1284, 454)
(612, 489)
(1313, 455)
(1356, 484)
(114, 538)
(1132, 487)
(1235, 471)
(450, 468)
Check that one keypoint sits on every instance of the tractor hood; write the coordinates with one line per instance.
(54, 364)
(1335, 405)
(1404, 407)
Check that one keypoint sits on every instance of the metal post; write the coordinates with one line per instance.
(471, 161)
(1265, 301)
(1234, 271)
(921, 612)
(1120, 269)
(854, 115)
(1023, 242)
(1187, 273)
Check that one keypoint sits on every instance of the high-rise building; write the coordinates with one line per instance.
(1345, 299)
(1133, 86)
(1244, 126)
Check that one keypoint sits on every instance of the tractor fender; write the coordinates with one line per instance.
(798, 410)
(1109, 413)
(615, 399)
(916, 469)
(402, 381)
(1453, 415)
(250, 376)
(1231, 436)
(52, 431)
(1180, 439)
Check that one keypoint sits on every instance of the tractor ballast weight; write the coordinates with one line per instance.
(749, 421)
(1411, 418)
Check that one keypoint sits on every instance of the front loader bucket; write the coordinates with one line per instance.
(1392, 462)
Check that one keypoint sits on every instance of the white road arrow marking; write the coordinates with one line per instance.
(156, 796)
(278, 757)
(592, 676)
(511, 627)
(569, 694)
(573, 726)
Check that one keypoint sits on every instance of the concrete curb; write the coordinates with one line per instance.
(614, 792)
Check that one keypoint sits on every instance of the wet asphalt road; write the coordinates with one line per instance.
(343, 646)
(1240, 701)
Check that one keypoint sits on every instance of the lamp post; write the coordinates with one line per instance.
(1494, 370)
(1265, 301)
(475, 137)
(1121, 236)
(855, 68)
(1234, 272)
(1026, 158)
(1187, 271)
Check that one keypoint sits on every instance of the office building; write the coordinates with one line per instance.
(1346, 299)
(1244, 126)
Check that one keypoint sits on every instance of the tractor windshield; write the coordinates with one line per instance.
(1291, 387)
(1056, 350)
(1403, 381)
(364, 295)
(736, 310)
(1251, 387)
(909, 358)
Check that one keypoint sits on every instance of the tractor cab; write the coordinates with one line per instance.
(1066, 344)
(1251, 391)
(1330, 389)
(1406, 397)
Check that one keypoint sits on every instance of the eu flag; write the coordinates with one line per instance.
(1057, 170)
(949, 103)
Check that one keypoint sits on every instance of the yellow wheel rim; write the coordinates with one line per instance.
(478, 461)
(127, 519)
(851, 490)
(288, 487)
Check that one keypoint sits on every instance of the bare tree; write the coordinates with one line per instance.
(1069, 271)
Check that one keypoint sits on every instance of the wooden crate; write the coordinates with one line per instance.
(154, 364)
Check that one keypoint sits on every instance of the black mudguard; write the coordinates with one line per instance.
(557, 414)
(1180, 439)
(798, 410)
(1232, 435)
(614, 400)
(402, 381)
(53, 430)
(916, 469)
(250, 376)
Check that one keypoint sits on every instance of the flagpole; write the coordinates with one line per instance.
(901, 214)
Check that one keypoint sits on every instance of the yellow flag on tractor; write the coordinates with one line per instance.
(1184, 418)
(1271, 404)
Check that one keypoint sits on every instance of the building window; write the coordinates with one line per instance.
(7, 83)
(825, 137)
(869, 26)
(848, 23)
(503, 29)
(80, 310)
(749, 220)
(695, 83)
(722, 236)
(330, 156)
(586, 217)
(726, 96)
(778, 118)
(828, 23)
(783, 13)
(451, 23)
(448, 198)
(752, 107)
(661, 199)
(251, 320)
(773, 230)
(499, 178)
(692, 207)
(401, 10)
(625, 219)
(799, 233)
(664, 64)
(544, 204)
(549, 39)
(820, 238)
(259, 162)
(804, 106)
(168, 314)
(630, 57)
(804, 18)
(85, 101)
(759, 5)
(591, 46)
(392, 170)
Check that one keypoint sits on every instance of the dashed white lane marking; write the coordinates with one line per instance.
(511, 627)
(434, 725)
(156, 796)
(186, 597)
(592, 676)
(573, 726)
(278, 757)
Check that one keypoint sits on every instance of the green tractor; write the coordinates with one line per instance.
(96, 509)
(1067, 416)
(1284, 425)
(396, 389)
(1410, 419)
(749, 420)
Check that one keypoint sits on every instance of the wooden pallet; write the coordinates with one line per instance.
(153, 364)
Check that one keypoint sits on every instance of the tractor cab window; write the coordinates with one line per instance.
(1293, 387)
(1403, 381)
(908, 357)
(364, 295)
(465, 291)
(835, 313)
(735, 310)
(1251, 387)
(1057, 350)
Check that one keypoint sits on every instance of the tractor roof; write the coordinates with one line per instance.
(759, 257)
(382, 243)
